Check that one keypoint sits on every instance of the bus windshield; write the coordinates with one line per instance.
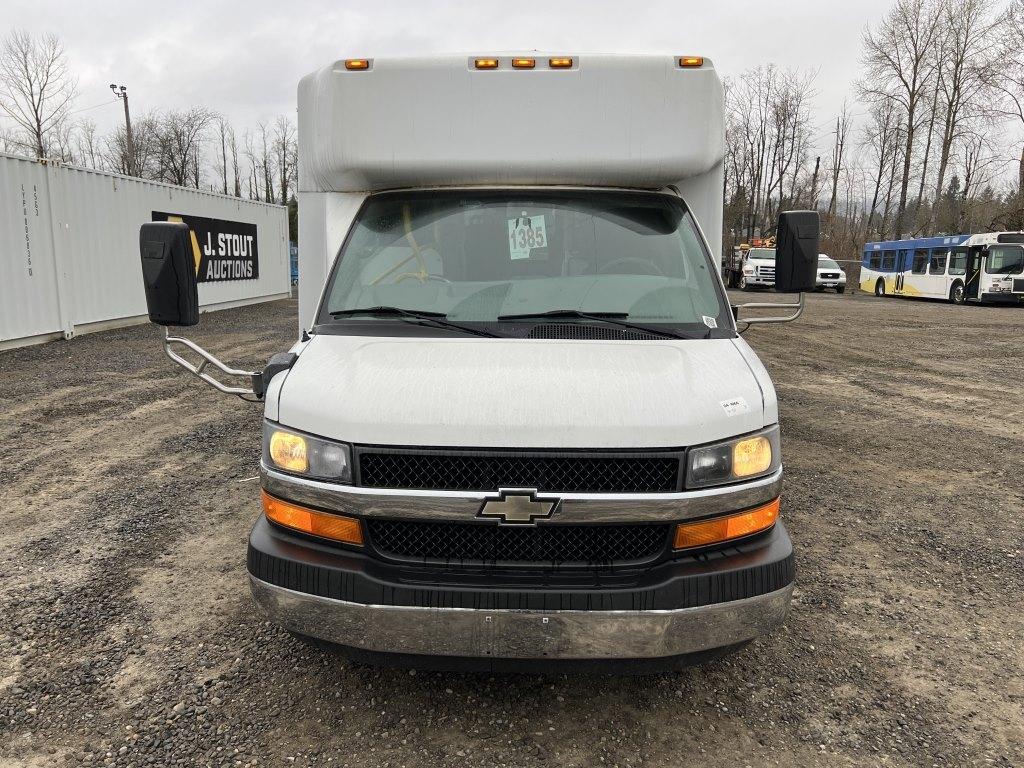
(479, 256)
(1005, 260)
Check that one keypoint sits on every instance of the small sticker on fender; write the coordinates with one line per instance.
(735, 407)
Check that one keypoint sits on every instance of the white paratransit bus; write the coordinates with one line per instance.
(519, 425)
(986, 268)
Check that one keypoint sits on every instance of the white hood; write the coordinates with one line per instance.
(520, 393)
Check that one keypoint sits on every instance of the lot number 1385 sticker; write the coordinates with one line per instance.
(524, 233)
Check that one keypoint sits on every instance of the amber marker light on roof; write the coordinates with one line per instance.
(357, 64)
(691, 61)
(560, 62)
(524, 63)
(334, 527)
(720, 529)
(486, 63)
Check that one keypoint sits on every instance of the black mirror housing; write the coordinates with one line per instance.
(796, 251)
(169, 273)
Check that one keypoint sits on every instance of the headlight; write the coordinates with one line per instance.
(302, 454)
(748, 270)
(741, 458)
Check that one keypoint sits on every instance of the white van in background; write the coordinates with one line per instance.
(519, 427)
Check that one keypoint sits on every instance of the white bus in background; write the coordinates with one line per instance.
(983, 268)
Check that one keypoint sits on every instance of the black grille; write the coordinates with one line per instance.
(592, 473)
(588, 332)
(830, 275)
(474, 543)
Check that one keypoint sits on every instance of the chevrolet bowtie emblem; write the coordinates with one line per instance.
(519, 505)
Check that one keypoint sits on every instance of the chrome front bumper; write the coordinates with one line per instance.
(523, 634)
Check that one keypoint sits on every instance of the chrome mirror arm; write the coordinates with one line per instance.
(799, 307)
(208, 359)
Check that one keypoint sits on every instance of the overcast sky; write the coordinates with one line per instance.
(245, 59)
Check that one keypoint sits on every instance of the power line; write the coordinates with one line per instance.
(94, 106)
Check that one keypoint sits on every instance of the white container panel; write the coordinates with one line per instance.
(69, 247)
(28, 283)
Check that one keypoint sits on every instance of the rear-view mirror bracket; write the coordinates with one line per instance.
(798, 306)
(254, 388)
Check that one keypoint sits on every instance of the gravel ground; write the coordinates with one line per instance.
(129, 637)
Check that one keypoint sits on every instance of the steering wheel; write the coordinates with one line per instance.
(650, 267)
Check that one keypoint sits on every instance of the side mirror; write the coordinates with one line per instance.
(169, 273)
(796, 251)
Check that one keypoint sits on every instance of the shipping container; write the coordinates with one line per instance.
(69, 248)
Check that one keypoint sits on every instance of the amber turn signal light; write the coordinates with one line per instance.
(524, 63)
(720, 529)
(691, 61)
(486, 63)
(334, 527)
(357, 64)
(560, 62)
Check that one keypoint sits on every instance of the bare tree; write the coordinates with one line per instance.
(768, 136)
(250, 155)
(931, 117)
(8, 142)
(180, 139)
(223, 129)
(145, 146)
(839, 153)
(37, 89)
(87, 145)
(61, 143)
(285, 155)
(969, 63)
(901, 62)
(233, 144)
(880, 137)
(1007, 77)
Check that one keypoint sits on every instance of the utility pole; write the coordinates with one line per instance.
(122, 93)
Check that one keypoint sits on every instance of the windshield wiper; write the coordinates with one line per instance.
(415, 316)
(612, 318)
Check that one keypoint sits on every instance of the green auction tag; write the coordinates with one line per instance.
(525, 233)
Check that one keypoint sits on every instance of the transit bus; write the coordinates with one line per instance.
(983, 268)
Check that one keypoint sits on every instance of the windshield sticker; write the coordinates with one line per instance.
(710, 322)
(735, 407)
(525, 233)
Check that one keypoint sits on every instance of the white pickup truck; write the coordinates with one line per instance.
(758, 269)
(830, 275)
(518, 427)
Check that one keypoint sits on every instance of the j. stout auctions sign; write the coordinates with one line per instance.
(222, 250)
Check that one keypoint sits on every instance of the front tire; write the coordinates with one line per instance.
(840, 289)
(957, 294)
(880, 287)
(744, 285)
